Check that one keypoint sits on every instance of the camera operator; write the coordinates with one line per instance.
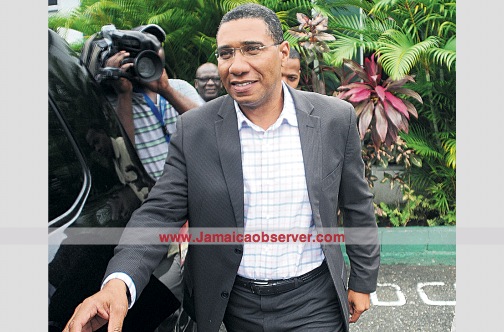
(148, 110)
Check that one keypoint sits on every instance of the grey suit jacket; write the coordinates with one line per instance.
(203, 182)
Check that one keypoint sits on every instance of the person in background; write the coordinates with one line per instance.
(148, 111)
(208, 82)
(291, 71)
(265, 158)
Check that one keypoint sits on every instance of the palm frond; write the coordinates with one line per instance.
(420, 179)
(227, 5)
(451, 153)
(351, 25)
(419, 140)
(399, 54)
(379, 26)
(384, 5)
(345, 47)
(447, 55)
(345, 5)
(291, 5)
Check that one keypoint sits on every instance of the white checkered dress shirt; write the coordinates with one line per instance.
(276, 197)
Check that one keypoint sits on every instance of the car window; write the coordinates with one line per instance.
(84, 125)
(66, 172)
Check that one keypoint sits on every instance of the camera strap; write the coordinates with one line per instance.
(159, 115)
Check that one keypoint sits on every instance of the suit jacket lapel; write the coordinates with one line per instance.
(310, 135)
(228, 144)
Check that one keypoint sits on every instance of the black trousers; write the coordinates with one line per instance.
(313, 306)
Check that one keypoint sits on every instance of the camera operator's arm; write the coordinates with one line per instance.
(124, 91)
(124, 110)
(180, 102)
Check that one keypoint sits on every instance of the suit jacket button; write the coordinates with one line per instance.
(238, 251)
(224, 295)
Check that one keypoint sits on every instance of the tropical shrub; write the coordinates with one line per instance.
(377, 103)
(409, 38)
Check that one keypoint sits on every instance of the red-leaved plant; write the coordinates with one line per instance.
(376, 102)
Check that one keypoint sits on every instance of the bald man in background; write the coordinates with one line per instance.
(207, 81)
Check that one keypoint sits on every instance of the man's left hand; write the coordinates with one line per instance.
(159, 85)
(358, 302)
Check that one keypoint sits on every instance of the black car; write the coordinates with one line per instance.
(89, 193)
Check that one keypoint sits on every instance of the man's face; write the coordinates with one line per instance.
(253, 81)
(291, 72)
(208, 82)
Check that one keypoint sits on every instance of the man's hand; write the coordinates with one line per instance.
(161, 85)
(110, 304)
(122, 85)
(358, 302)
(124, 90)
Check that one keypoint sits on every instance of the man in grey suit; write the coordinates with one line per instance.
(263, 159)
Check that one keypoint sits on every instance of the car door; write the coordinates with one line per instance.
(95, 182)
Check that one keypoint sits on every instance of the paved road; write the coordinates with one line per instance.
(410, 298)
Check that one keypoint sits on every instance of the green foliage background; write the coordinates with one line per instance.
(415, 38)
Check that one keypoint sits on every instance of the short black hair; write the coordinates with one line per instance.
(252, 10)
(294, 54)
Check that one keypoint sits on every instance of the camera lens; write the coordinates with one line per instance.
(145, 67)
(148, 66)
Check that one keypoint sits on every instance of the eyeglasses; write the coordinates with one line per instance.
(250, 50)
(205, 80)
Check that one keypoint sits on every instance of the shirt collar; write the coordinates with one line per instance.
(288, 114)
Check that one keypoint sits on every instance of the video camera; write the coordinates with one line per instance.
(143, 44)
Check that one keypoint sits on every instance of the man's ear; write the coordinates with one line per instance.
(285, 50)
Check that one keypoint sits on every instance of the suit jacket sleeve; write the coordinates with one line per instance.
(356, 205)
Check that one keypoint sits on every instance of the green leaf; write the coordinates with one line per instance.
(415, 160)
(383, 162)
